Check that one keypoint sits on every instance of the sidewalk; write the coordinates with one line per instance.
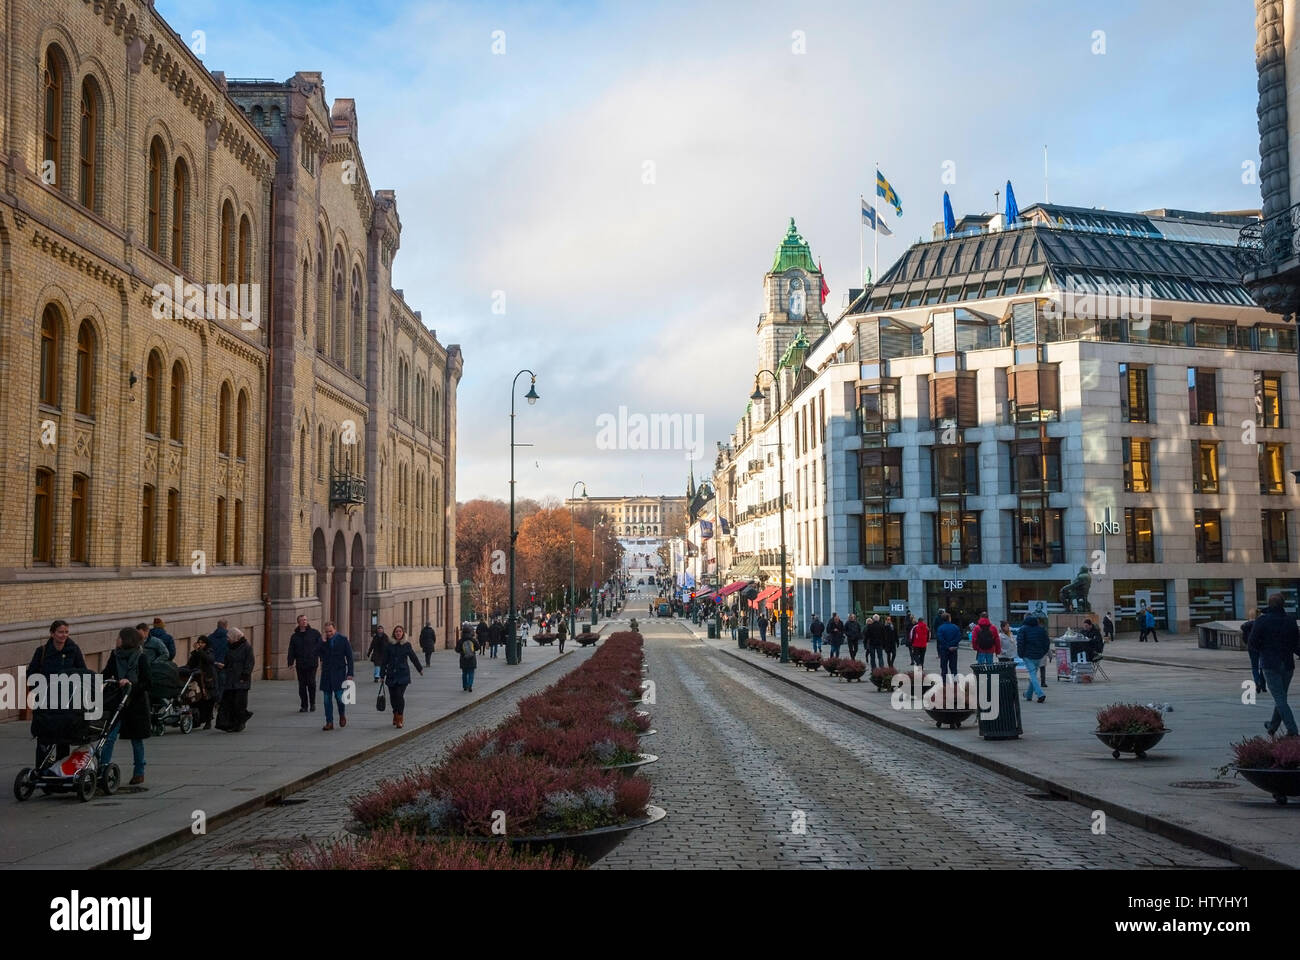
(1059, 754)
(227, 775)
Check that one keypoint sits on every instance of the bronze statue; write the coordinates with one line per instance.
(1075, 593)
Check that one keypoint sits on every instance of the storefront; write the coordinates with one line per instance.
(964, 599)
(1290, 590)
(1132, 596)
(1211, 600)
(1042, 598)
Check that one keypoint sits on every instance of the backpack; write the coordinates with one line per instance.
(984, 638)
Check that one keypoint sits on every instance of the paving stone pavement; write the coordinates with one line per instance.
(746, 760)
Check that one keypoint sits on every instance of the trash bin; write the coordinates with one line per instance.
(742, 637)
(713, 630)
(1005, 725)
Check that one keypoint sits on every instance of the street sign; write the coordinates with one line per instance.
(897, 606)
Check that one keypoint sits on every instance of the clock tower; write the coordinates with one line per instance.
(793, 304)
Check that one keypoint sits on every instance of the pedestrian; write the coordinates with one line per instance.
(815, 630)
(948, 640)
(159, 632)
(468, 662)
(1096, 644)
(835, 633)
(151, 643)
(378, 644)
(762, 627)
(429, 641)
(335, 673)
(482, 634)
(985, 641)
(233, 713)
(219, 641)
(128, 664)
(200, 667)
(919, 641)
(304, 656)
(1007, 640)
(853, 634)
(1278, 640)
(563, 632)
(57, 655)
(1107, 628)
(874, 635)
(1151, 626)
(889, 637)
(1247, 629)
(1033, 643)
(397, 673)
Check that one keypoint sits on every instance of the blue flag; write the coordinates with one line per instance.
(1012, 211)
(890, 195)
(706, 529)
(949, 221)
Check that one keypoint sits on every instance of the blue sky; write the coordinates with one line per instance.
(524, 172)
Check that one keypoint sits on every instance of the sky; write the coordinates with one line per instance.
(594, 191)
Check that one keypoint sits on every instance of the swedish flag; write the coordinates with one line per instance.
(883, 189)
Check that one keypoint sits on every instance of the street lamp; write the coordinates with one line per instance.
(780, 462)
(512, 635)
(573, 594)
(595, 583)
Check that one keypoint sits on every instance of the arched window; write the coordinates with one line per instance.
(302, 462)
(90, 144)
(173, 526)
(306, 282)
(54, 77)
(339, 306)
(223, 420)
(86, 369)
(245, 251)
(320, 453)
(334, 453)
(157, 159)
(222, 555)
(358, 334)
(241, 426)
(180, 214)
(239, 532)
(153, 393)
(322, 331)
(79, 535)
(43, 518)
(146, 525)
(176, 408)
(51, 323)
(226, 264)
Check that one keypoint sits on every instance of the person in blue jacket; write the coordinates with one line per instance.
(335, 671)
(159, 630)
(948, 639)
(1032, 643)
(397, 673)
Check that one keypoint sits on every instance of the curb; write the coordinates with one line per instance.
(1148, 822)
(171, 841)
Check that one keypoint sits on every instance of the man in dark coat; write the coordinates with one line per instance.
(335, 672)
(200, 664)
(1033, 643)
(482, 634)
(159, 630)
(834, 633)
(378, 649)
(815, 630)
(1277, 638)
(496, 635)
(874, 633)
(304, 654)
(219, 641)
(129, 664)
(428, 642)
(889, 639)
(238, 679)
(853, 634)
(58, 655)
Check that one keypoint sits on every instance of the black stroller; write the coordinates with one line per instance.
(81, 770)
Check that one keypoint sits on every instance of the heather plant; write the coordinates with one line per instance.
(1129, 718)
(393, 849)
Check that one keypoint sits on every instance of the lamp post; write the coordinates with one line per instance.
(595, 583)
(512, 637)
(573, 595)
(780, 462)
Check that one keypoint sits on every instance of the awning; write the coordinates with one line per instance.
(767, 594)
(704, 596)
(731, 588)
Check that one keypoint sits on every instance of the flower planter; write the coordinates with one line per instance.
(811, 665)
(1135, 743)
(952, 717)
(1279, 782)
(851, 675)
(647, 733)
(632, 766)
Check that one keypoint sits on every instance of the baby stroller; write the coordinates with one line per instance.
(176, 708)
(80, 771)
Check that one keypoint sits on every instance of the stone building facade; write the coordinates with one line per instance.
(163, 413)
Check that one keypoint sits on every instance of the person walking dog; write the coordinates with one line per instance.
(397, 674)
(335, 672)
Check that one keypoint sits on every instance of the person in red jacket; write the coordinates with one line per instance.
(985, 640)
(920, 639)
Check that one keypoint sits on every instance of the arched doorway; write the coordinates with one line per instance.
(338, 611)
(321, 567)
(360, 627)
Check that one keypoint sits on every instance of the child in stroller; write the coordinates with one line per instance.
(80, 771)
(175, 708)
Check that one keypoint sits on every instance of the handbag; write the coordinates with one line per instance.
(381, 702)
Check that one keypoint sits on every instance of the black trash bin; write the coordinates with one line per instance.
(1006, 724)
(713, 630)
(742, 637)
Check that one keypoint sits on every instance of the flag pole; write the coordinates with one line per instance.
(875, 262)
(862, 270)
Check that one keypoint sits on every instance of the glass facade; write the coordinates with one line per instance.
(964, 599)
(1134, 595)
(1211, 600)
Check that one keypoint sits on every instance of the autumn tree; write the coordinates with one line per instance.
(479, 524)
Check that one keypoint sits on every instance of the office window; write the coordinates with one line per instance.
(1035, 466)
(956, 535)
(1205, 466)
(43, 518)
(1268, 399)
(954, 401)
(1276, 339)
(173, 526)
(881, 472)
(147, 554)
(1277, 547)
(1038, 534)
(1137, 464)
(955, 469)
(1202, 396)
(1209, 537)
(878, 408)
(1033, 394)
(79, 551)
(882, 537)
(1134, 400)
(1222, 335)
(1272, 476)
(1139, 535)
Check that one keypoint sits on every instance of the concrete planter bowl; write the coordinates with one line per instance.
(632, 766)
(949, 717)
(1280, 783)
(1134, 743)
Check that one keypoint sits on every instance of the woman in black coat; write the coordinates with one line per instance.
(202, 666)
(128, 663)
(397, 673)
(236, 681)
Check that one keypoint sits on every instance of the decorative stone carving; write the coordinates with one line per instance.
(81, 444)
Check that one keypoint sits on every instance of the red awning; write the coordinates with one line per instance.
(767, 594)
(731, 588)
(704, 596)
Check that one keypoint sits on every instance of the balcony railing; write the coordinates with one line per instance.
(1263, 245)
(347, 489)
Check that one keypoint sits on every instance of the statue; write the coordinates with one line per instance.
(1075, 593)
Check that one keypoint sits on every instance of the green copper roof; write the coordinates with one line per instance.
(793, 252)
(795, 353)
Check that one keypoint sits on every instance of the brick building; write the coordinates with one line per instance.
(229, 451)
